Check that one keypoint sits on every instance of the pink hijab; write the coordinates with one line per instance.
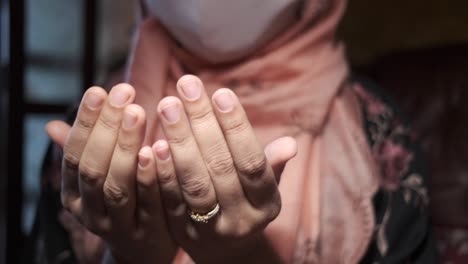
(296, 86)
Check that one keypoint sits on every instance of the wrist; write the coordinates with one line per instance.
(252, 250)
(258, 250)
(148, 256)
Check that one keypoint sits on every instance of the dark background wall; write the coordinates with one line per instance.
(371, 28)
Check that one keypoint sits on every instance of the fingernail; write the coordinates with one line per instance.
(129, 119)
(144, 157)
(171, 113)
(93, 101)
(224, 101)
(162, 150)
(191, 89)
(118, 96)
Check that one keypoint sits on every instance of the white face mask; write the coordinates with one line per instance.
(224, 30)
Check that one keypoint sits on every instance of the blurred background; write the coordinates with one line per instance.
(52, 50)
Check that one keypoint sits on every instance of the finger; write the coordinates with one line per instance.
(75, 143)
(279, 152)
(58, 131)
(190, 169)
(171, 195)
(119, 186)
(98, 152)
(152, 218)
(148, 198)
(210, 140)
(255, 174)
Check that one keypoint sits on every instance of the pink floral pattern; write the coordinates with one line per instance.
(388, 135)
(394, 160)
(389, 141)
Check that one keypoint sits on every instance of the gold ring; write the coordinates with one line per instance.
(203, 218)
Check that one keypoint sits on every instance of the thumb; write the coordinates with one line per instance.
(58, 131)
(279, 152)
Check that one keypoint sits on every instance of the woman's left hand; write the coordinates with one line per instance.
(212, 157)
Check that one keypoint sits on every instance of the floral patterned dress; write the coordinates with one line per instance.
(402, 234)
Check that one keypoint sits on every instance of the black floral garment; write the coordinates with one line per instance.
(402, 234)
(403, 231)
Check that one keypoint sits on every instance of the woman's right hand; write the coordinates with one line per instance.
(109, 182)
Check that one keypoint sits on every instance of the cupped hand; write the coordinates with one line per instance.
(211, 156)
(109, 181)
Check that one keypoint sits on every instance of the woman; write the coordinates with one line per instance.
(205, 186)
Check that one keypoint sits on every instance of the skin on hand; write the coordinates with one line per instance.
(212, 156)
(88, 248)
(108, 179)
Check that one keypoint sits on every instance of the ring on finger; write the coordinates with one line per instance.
(203, 218)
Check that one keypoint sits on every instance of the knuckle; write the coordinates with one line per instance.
(196, 188)
(166, 177)
(220, 164)
(147, 182)
(235, 127)
(179, 141)
(108, 122)
(84, 123)
(253, 166)
(201, 116)
(127, 146)
(70, 161)
(114, 195)
(90, 175)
